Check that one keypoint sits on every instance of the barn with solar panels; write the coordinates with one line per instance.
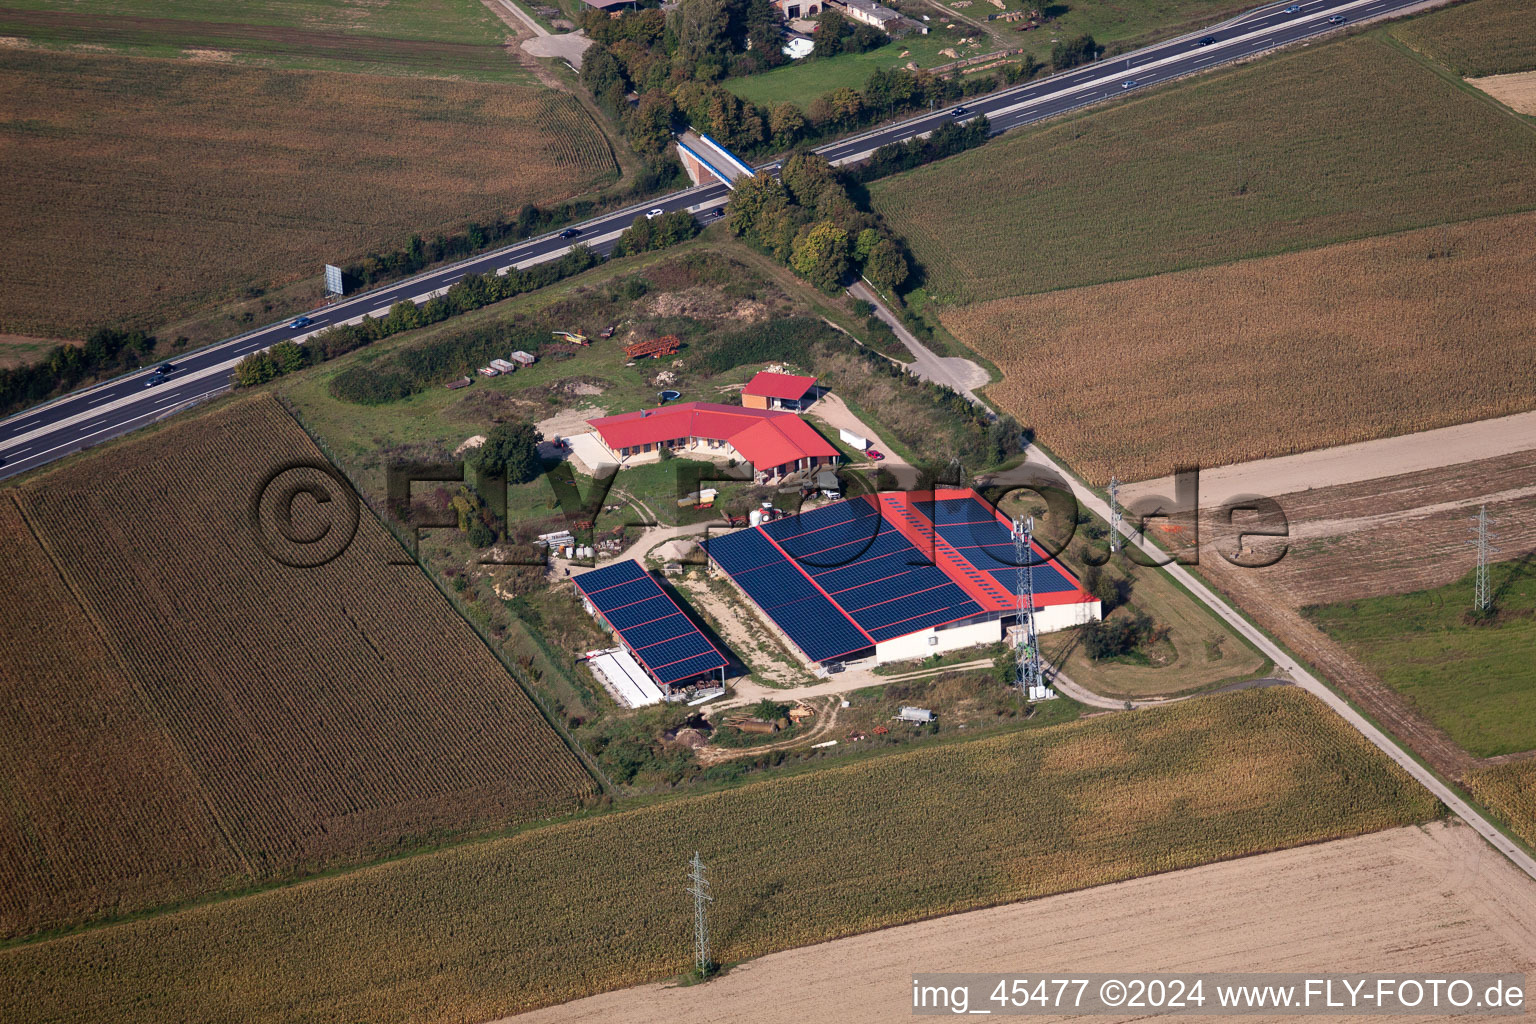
(894, 576)
(653, 629)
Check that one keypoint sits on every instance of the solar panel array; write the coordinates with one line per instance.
(839, 563)
(651, 624)
(972, 528)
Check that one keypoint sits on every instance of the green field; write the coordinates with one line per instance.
(439, 38)
(483, 930)
(1486, 37)
(1344, 140)
(1477, 682)
(802, 81)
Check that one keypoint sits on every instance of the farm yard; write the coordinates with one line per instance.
(1305, 350)
(1428, 899)
(128, 173)
(1248, 162)
(489, 928)
(198, 651)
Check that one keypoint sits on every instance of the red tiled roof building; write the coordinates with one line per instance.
(774, 443)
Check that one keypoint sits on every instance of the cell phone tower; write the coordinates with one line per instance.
(698, 888)
(1027, 651)
(1482, 596)
(1114, 515)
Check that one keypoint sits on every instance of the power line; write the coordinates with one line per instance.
(1482, 537)
(698, 888)
(1031, 680)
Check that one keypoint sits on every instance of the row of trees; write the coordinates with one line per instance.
(806, 219)
(646, 234)
(105, 352)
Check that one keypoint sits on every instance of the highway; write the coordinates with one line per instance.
(39, 435)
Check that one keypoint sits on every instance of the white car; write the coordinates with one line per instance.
(653, 214)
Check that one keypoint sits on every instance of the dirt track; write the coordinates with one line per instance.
(1412, 899)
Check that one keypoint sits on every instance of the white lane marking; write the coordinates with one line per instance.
(103, 398)
(18, 451)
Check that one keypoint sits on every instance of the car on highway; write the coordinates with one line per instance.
(1337, 19)
(653, 214)
(570, 232)
(166, 367)
(959, 112)
(1129, 83)
(154, 380)
(874, 454)
(1207, 41)
(1293, 9)
(718, 211)
(302, 321)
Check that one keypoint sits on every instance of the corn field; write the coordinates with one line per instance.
(295, 718)
(1490, 37)
(1261, 159)
(549, 915)
(151, 189)
(1330, 346)
(1509, 790)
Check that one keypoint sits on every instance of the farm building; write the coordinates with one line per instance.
(779, 391)
(652, 628)
(894, 576)
(773, 443)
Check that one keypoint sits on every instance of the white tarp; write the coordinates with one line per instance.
(623, 677)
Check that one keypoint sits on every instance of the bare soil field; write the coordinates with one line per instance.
(1434, 898)
(1516, 91)
(157, 188)
(1261, 358)
(1386, 536)
(205, 716)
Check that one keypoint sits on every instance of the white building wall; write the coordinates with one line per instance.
(917, 645)
(1065, 616)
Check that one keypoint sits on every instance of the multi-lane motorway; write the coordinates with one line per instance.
(37, 436)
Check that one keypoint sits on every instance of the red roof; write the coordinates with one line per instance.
(765, 438)
(784, 386)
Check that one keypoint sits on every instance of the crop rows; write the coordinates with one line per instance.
(1257, 160)
(327, 714)
(155, 187)
(1330, 346)
(1509, 790)
(1490, 37)
(548, 915)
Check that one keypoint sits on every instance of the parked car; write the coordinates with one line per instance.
(1207, 41)
(302, 321)
(570, 232)
(874, 454)
(1337, 19)
(653, 214)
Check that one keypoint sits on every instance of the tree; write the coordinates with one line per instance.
(887, 265)
(862, 246)
(1070, 53)
(821, 255)
(649, 124)
(511, 452)
(786, 124)
(702, 28)
(287, 357)
(753, 199)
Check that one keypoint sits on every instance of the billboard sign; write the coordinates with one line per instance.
(333, 285)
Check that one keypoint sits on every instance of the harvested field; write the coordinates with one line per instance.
(19, 350)
(1393, 535)
(553, 914)
(1269, 357)
(1487, 37)
(290, 718)
(128, 173)
(1258, 160)
(1509, 790)
(1433, 899)
(1516, 91)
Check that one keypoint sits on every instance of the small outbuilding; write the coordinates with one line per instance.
(779, 391)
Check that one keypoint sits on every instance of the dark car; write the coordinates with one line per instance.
(154, 380)
(1293, 9)
(570, 232)
(302, 321)
(166, 367)
(959, 112)
(1337, 19)
(1207, 41)
(718, 212)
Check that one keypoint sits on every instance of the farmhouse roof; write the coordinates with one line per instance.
(785, 386)
(763, 437)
